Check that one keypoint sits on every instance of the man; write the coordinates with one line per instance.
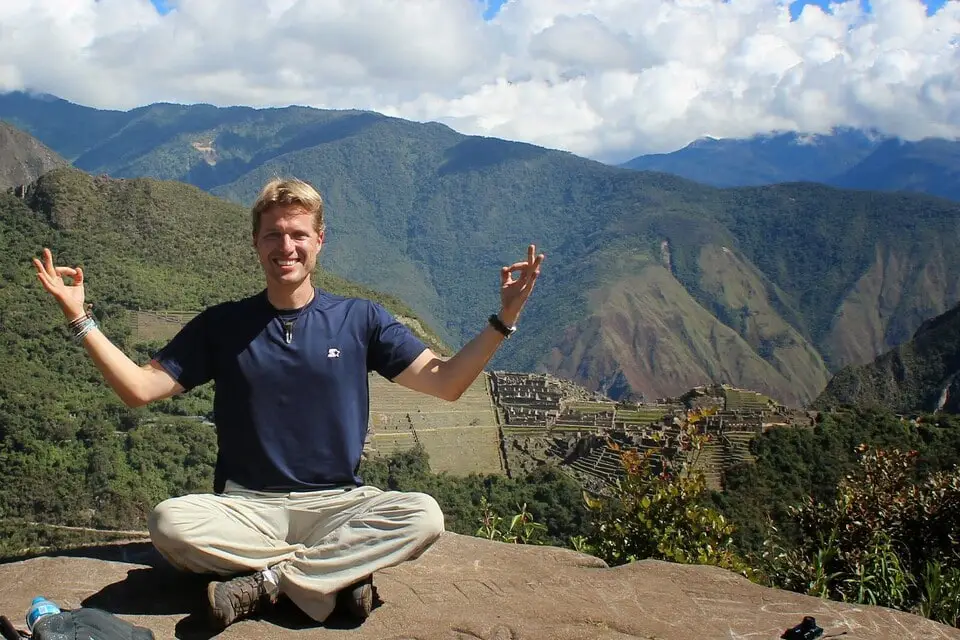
(289, 514)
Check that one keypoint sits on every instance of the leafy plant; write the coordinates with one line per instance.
(521, 530)
(657, 510)
(887, 538)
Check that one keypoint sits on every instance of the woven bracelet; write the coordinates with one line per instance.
(73, 324)
(82, 327)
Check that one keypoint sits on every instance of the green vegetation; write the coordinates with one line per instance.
(659, 512)
(886, 538)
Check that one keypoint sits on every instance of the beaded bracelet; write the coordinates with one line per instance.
(82, 326)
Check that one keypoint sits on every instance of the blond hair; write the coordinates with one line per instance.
(288, 192)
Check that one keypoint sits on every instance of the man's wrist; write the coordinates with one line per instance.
(73, 316)
(507, 319)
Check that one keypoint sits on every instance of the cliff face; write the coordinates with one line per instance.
(469, 588)
(918, 375)
(23, 158)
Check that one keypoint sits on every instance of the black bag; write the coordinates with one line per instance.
(88, 624)
(806, 630)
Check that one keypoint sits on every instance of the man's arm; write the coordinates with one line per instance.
(448, 379)
(135, 385)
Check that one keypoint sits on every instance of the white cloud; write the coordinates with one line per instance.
(603, 78)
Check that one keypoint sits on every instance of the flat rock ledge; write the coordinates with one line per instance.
(468, 588)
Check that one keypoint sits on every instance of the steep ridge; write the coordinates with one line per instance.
(919, 375)
(898, 292)
(23, 158)
(647, 328)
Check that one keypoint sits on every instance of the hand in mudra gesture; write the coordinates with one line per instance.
(68, 296)
(514, 291)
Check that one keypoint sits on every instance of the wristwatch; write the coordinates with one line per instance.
(497, 324)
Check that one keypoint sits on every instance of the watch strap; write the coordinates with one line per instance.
(497, 324)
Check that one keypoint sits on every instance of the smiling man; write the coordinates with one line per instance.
(289, 513)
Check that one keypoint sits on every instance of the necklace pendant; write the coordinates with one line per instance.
(288, 331)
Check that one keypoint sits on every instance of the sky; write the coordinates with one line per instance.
(607, 79)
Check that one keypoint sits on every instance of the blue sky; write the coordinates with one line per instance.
(493, 6)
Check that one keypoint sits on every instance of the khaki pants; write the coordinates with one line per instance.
(318, 542)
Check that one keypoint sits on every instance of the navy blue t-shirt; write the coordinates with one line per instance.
(290, 416)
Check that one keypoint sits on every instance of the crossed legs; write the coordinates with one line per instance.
(317, 543)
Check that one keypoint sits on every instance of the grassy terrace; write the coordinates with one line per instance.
(735, 399)
(524, 430)
(459, 437)
(644, 414)
(159, 325)
(582, 406)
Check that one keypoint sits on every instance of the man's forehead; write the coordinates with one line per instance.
(285, 214)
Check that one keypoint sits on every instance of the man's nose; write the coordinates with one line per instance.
(286, 242)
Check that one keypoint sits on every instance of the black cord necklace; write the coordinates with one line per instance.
(288, 318)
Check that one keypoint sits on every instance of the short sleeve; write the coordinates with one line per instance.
(393, 346)
(188, 357)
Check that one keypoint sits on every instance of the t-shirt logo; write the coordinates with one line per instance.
(333, 353)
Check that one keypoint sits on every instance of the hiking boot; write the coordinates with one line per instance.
(356, 600)
(240, 598)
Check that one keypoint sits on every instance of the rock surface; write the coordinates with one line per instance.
(469, 588)
(23, 158)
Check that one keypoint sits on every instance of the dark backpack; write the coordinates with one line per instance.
(88, 624)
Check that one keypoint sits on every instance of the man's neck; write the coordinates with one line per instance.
(291, 298)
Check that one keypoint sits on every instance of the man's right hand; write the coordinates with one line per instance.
(135, 385)
(68, 296)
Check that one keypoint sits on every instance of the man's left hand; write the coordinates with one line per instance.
(514, 291)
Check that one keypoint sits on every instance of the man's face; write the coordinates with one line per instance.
(287, 245)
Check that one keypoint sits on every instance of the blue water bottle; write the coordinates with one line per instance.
(39, 608)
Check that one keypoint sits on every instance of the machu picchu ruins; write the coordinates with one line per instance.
(511, 423)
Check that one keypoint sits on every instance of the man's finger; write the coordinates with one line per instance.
(48, 261)
(79, 277)
(44, 280)
(66, 271)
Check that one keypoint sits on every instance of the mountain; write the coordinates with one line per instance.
(652, 284)
(760, 160)
(918, 375)
(847, 158)
(928, 166)
(23, 159)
